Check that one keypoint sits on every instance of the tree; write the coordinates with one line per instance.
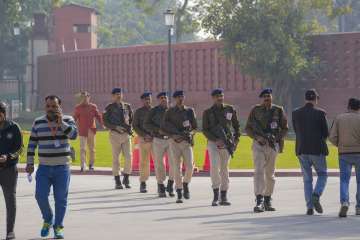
(186, 23)
(269, 39)
(13, 49)
(349, 21)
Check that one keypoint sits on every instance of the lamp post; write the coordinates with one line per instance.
(169, 22)
(17, 36)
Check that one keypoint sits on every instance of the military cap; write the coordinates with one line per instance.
(217, 91)
(145, 95)
(265, 91)
(161, 94)
(178, 93)
(116, 90)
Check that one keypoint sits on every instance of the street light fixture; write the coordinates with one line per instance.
(16, 29)
(169, 22)
(19, 82)
(169, 18)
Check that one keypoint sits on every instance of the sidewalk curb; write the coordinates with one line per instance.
(238, 173)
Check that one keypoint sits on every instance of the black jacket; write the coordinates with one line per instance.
(311, 129)
(11, 143)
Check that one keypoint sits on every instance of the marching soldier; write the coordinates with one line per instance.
(160, 145)
(222, 129)
(267, 126)
(146, 139)
(180, 123)
(118, 118)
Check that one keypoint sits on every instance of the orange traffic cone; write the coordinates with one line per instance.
(166, 160)
(152, 166)
(206, 166)
(136, 155)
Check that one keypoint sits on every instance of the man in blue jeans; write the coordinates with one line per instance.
(51, 134)
(345, 134)
(311, 129)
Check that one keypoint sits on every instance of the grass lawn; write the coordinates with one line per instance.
(242, 158)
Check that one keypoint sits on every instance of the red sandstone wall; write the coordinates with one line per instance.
(198, 68)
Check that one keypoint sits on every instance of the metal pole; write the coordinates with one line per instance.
(18, 71)
(169, 63)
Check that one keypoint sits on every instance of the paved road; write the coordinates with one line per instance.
(97, 211)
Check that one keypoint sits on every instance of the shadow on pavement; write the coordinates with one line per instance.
(292, 227)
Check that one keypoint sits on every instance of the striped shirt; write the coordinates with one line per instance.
(53, 148)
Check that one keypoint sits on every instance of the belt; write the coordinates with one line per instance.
(120, 132)
(162, 137)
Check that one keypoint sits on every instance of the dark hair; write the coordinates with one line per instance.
(311, 95)
(3, 108)
(53, 97)
(354, 104)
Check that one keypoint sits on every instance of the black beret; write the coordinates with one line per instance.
(145, 95)
(161, 94)
(178, 93)
(217, 91)
(265, 91)
(116, 90)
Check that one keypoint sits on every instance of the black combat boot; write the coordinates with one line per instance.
(267, 204)
(143, 187)
(10, 235)
(179, 196)
(170, 188)
(223, 199)
(126, 181)
(259, 204)
(118, 183)
(186, 190)
(161, 190)
(216, 197)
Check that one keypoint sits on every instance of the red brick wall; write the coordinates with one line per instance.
(198, 68)
(62, 31)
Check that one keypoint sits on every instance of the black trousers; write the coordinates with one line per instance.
(8, 182)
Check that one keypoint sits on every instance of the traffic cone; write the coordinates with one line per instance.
(136, 155)
(166, 160)
(206, 166)
(152, 165)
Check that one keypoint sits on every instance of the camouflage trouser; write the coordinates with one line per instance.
(219, 169)
(120, 143)
(160, 147)
(182, 152)
(264, 164)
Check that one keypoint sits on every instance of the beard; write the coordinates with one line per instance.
(51, 115)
